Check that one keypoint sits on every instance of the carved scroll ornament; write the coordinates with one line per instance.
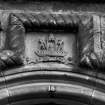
(93, 43)
(10, 54)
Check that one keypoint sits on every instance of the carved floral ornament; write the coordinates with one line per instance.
(89, 29)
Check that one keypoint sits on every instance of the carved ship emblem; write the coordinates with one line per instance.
(51, 49)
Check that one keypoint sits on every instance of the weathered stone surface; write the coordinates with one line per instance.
(52, 50)
(21, 23)
(87, 26)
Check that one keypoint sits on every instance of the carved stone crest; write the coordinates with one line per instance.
(51, 49)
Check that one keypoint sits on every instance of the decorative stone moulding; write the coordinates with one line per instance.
(65, 38)
(82, 1)
(52, 56)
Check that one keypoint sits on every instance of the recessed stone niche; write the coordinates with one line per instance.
(50, 47)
